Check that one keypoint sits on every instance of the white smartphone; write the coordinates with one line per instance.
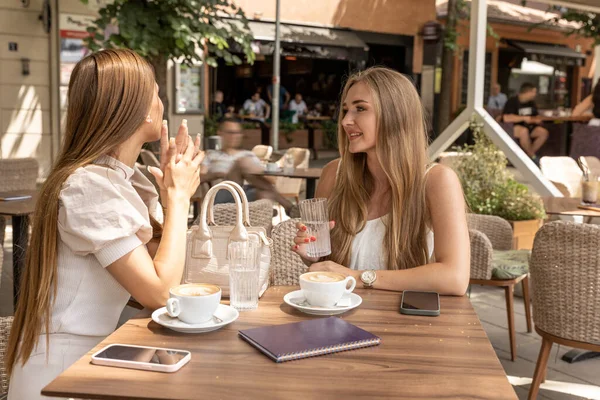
(141, 357)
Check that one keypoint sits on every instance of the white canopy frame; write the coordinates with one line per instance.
(492, 129)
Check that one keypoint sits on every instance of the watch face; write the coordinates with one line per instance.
(368, 276)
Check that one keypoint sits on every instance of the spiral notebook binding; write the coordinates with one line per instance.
(319, 351)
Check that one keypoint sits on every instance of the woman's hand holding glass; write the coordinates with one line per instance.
(302, 239)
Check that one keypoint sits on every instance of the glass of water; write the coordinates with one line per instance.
(244, 270)
(316, 218)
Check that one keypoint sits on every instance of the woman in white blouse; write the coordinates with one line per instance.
(386, 201)
(95, 237)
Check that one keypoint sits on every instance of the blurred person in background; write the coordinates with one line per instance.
(590, 105)
(239, 165)
(218, 108)
(299, 107)
(257, 107)
(522, 111)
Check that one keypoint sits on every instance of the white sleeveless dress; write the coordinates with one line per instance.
(367, 245)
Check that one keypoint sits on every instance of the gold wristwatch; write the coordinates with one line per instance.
(368, 278)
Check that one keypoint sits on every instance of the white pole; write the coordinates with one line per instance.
(475, 106)
(276, 84)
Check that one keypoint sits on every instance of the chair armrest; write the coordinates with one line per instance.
(498, 230)
(481, 255)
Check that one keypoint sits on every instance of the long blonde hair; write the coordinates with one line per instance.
(401, 149)
(110, 95)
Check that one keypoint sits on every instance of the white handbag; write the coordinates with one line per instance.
(207, 258)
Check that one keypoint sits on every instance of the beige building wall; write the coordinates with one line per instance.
(25, 106)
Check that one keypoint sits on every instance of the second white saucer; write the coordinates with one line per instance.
(296, 299)
(223, 316)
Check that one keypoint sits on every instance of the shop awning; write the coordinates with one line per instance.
(548, 53)
(307, 35)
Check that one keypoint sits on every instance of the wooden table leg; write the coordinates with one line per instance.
(310, 188)
(510, 311)
(540, 369)
(527, 301)
(20, 225)
(311, 142)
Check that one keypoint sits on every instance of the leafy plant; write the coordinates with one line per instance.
(330, 131)
(211, 125)
(162, 30)
(288, 128)
(586, 24)
(489, 187)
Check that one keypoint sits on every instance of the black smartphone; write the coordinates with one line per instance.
(420, 303)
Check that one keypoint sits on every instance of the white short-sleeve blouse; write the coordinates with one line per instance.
(104, 211)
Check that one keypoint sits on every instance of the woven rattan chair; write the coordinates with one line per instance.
(290, 187)
(286, 266)
(491, 243)
(261, 214)
(5, 325)
(263, 152)
(16, 174)
(565, 277)
(564, 173)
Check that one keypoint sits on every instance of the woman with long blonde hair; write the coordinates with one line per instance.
(96, 239)
(385, 201)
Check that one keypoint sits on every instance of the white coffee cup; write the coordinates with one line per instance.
(325, 289)
(272, 167)
(194, 303)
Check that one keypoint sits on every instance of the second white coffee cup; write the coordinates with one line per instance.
(325, 289)
(194, 303)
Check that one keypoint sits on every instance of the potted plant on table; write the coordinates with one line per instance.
(491, 189)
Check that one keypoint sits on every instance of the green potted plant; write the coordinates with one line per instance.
(491, 189)
(330, 134)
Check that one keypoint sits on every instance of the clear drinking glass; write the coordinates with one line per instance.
(244, 270)
(589, 189)
(288, 163)
(316, 218)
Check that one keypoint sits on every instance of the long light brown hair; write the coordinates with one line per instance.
(110, 95)
(401, 148)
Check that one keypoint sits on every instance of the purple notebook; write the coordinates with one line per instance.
(308, 338)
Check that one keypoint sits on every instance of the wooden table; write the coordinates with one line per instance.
(310, 174)
(446, 357)
(567, 206)
(309, 123)
(19, 211)
(570, 118)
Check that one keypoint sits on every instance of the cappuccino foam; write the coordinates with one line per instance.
(324, 277)
(195, 290)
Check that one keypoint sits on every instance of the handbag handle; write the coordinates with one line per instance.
(239, 232)
(243, 198)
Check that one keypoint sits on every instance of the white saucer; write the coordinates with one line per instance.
(296, 299)
(223, 316)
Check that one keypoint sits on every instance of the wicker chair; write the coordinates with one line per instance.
(290, 187)
(263, 152)
(585, 141)
(564, 173)
(261, 214)
(492, 261)
(16, 174)
(286, 266)
(565, 277)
